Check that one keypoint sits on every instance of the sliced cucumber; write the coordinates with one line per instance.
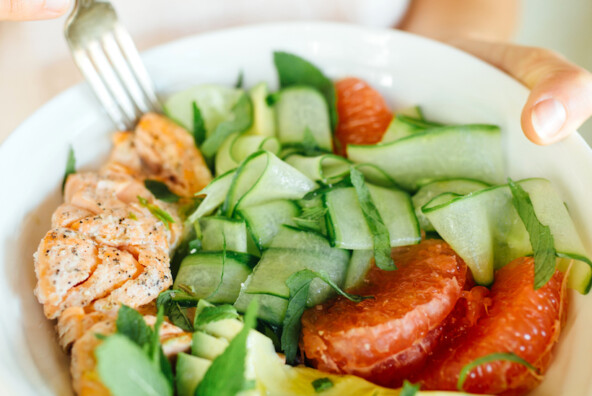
(430, 190)
(219, 231)
(291, 237)
(402, 126)
(214, 193)
(347, 225)
(267, 283)
(190, 371)
(207, 346)
(413, 112)
(299, 108)
(202, 273)
(239, 146)
(486, 231)
(359, 265)
(263, 114)
(264, 221)
(214, 101)
(323, 167)
(375, 175)
(469, 151)
(222, 328)
(263, 177)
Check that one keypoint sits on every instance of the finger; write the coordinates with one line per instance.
(28, 10)
(561, 92)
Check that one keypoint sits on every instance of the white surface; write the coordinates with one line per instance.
(450, 85)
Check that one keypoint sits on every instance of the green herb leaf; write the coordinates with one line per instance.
(240, 120)
(299, 284)
(214, 314)
(511, 357)
(325, 188)
(309, 144)
(380, 234)
(199, 126)
(125, 369)
(322, 384)
(540, 236)
(132, 216)
(161, 191)
(272, 98)
(169, 300)
(130, 323)
(226, 375)
(155, 351)
(70, 166)
(310, 218)
(409, 389)
(294, 70)
(239, 80)
(157, 212)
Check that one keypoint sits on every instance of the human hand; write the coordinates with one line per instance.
(28, 10)
(560, 99)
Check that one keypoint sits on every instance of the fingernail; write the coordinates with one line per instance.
(548, 116)
(56, 5)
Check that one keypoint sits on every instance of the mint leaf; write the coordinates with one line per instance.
(299, 284)
(226, 375)
(214, 314)
(157, 212)
(161, 191)
(511, 357)
(130, 323)
(199, 126)
(241, 118)
(294, 70)
(70, 167)
(169, 301)
(380, 234)
(125, 369)
(322, 384)
(409, 389)
(540, 236)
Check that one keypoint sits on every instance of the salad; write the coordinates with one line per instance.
(306, 241)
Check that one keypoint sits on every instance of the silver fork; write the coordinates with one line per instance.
(107, 57)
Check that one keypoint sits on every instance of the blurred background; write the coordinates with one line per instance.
(35, 64)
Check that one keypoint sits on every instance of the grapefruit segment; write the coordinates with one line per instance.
(520, 320)
(386, 338)
(363, 114)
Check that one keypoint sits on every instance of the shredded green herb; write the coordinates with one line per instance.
(214, 314)
(409, 389)
(511, 357)
(239, 79)
(70, 167)
(132, 216)
(199, 126)
(157, 212)
(299, 284)
(161, 191)
(230, 365)
(380, 234)
(540, 236)
(240, 120)
(322, 384)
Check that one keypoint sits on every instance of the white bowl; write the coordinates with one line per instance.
(450, 85)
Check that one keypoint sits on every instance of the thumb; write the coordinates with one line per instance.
(28, 10)
(560, 99)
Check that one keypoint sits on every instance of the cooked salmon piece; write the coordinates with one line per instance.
(169, 153)
(106, 248)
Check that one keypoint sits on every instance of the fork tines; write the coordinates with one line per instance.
(109, 60)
